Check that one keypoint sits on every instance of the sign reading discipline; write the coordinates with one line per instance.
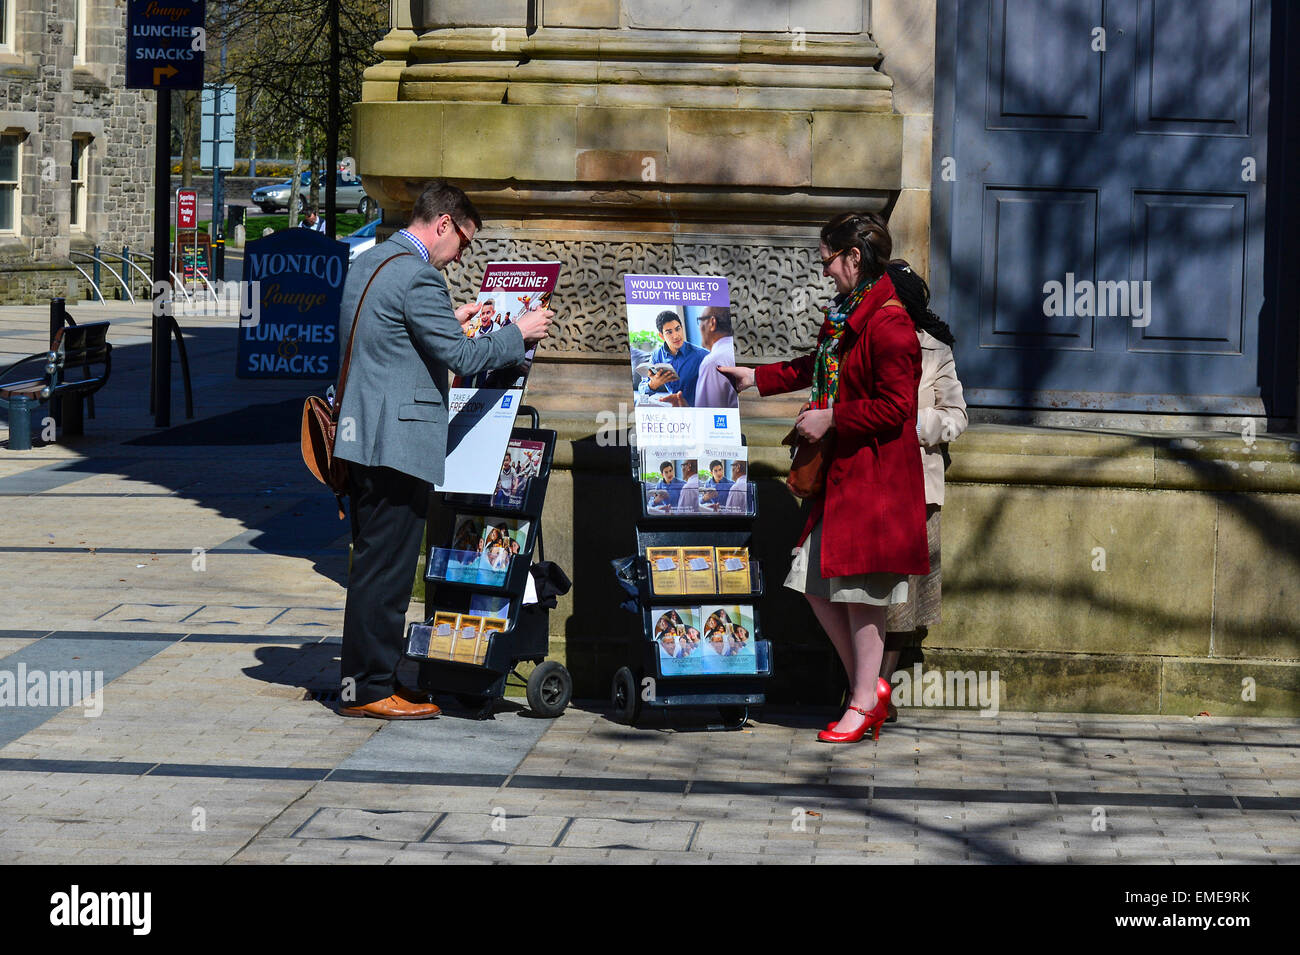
(165, 44)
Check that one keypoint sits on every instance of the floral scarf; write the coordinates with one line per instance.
(826, 362)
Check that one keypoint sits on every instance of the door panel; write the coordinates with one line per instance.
(1098, 171)
(1039, 76)
(1192, 251)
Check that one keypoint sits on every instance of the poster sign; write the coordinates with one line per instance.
(165, 44)
(193, 257)
(478, 431)
(679, 334)
(300, 274)
(187, 209)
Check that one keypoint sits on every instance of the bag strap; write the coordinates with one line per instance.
(352, 334)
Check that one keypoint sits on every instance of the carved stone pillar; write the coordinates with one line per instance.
(639, 135)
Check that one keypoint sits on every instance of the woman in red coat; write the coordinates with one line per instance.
(866, 531)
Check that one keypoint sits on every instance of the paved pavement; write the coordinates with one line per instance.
(204, 583)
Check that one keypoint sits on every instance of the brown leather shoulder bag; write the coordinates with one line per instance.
(320, 419)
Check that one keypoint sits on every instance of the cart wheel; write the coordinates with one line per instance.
(550, 687)
(627, 703)
(734, 717)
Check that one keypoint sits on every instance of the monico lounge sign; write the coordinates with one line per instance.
(301, 275)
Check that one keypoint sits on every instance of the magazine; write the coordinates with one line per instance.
(509, 290)
(522, 462)
(714, 640)
(502, 538)
(724, 487)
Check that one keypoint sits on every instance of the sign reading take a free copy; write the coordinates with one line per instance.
(165, 43)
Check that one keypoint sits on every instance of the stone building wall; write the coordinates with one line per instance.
(635, 136)
(49, 100)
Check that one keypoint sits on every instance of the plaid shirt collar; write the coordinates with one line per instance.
(419, 246)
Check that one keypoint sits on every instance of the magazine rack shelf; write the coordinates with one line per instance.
(732, 693)
(526, 632)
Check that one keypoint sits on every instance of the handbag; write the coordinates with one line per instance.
(320, 418)
(810, 460)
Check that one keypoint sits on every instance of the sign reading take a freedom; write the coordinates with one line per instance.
(165, 42)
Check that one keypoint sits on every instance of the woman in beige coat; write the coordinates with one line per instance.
(940, 417)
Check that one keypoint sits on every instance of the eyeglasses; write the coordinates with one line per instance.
(826, 263)
(464, 239)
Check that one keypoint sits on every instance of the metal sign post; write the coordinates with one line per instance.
(165, 43)
(217, 152)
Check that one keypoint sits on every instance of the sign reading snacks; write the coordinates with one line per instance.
(300, 274)
(165, 43)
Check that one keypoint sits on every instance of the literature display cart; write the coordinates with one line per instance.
(481, 550)
(696, 593)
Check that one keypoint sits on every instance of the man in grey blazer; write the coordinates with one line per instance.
(393, 428)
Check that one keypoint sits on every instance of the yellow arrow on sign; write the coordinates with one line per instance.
(161, 71)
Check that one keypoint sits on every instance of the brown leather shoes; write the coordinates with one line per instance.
(393, 708)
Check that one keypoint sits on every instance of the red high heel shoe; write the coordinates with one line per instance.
(874, 718)
(884, 692)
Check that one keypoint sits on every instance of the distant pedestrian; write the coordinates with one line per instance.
(312, 220)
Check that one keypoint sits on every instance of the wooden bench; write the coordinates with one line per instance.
(77, 365)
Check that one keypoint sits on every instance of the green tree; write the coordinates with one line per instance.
(278, 54)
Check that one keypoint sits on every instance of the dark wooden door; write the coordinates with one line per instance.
(1103, 145)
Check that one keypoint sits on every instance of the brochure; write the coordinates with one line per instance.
(706, 640)
(698, 562)
(503, 537)
(666, 571)
(724, 487)
(733, 570)
(523, 461)
(509, 290)
(677, 633)
(490, 606)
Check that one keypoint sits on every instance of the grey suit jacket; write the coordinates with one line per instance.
(394, 411)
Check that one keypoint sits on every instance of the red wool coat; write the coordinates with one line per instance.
(874, 502)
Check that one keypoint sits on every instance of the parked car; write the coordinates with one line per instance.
(361, 240)
(348, 196)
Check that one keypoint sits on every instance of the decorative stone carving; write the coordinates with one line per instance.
(774, 290)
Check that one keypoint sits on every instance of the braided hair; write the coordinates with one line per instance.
(914, 293)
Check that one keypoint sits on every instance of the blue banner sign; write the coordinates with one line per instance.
(165, 42)
(300, 277)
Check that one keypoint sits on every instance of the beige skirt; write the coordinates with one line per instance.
(878, 589)
(924, 590)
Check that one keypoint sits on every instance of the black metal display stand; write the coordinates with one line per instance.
(732, 694)
(527, 632)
